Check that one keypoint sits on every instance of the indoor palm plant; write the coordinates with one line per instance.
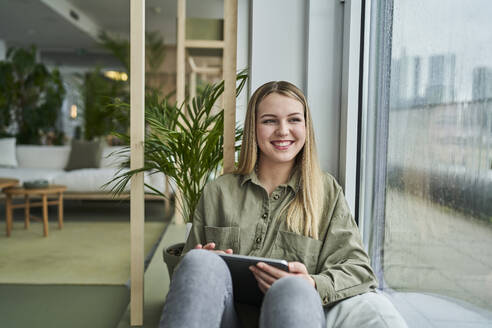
(186, 144)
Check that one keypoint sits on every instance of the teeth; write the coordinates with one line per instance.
(282, 144)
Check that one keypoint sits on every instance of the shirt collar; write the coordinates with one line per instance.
(294, 182)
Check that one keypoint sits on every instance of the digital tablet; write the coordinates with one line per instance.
(245, 286)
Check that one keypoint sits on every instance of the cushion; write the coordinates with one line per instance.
(84, 155)
(43, 157)
(112, 157)
(7, 151)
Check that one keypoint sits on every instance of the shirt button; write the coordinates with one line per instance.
(265, 215)
(258, 240)
(276, 196)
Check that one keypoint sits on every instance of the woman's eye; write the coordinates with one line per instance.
(295, 119)
(268, 121)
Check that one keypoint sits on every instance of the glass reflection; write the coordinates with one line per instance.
(438, 225)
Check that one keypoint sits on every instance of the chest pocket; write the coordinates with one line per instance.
(293, 247)
(223, 237)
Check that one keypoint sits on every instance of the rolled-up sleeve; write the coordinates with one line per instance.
(343, 265)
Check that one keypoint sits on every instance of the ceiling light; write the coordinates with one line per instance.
(117, 76)
(73, 112)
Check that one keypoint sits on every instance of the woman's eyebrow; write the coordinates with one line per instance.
(272, 115)
(267, 115)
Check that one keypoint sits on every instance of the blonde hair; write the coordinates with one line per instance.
(304, 212)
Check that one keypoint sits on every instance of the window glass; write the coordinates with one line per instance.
(436, 225)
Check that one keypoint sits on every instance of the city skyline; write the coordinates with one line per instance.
(418, 81)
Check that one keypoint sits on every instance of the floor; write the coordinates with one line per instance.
(439, 263)
(156, 281)
(80, 306)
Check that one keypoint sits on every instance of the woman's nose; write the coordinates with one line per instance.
(282, 129)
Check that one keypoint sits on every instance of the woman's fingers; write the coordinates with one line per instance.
(297, 267)
(272, 271)
(263, 275)
(209, 246)
(263, 285)
(300, 270)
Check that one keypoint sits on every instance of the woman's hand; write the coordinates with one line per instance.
(266, 274)
(211, 247)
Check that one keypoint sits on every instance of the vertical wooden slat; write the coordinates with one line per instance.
(8, 214)
(229, 71)
(180, 82)
(192, 86)
(137, 105)
(180, 53)
(45, 215)
(27, 211)
(60, 210)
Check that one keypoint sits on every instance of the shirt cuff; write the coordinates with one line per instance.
(325, 288)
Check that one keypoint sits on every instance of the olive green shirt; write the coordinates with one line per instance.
(236, 212)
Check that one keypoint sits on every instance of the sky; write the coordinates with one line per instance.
(433, 27)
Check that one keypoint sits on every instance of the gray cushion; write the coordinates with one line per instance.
(84, 155)
(7, 150)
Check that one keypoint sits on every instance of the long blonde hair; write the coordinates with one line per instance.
(304, 212)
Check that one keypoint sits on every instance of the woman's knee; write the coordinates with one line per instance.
(292, 302)
(293, 287)
(203, 261)
(369, 310)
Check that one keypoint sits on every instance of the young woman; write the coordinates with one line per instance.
(277, 204)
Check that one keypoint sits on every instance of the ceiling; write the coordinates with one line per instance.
(54, 32)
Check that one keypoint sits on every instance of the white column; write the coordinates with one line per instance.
(3, 50)
(242, 54)
(324, 72)
(137, 133)
(350, 100)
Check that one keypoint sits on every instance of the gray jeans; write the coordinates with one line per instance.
(200, 295)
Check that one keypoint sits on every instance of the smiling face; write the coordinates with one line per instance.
(280, 129)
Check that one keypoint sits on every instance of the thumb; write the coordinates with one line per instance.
(297, 267)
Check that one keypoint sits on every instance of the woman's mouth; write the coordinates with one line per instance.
(282, 144)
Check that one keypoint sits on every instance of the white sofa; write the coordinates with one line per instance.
(48, 163)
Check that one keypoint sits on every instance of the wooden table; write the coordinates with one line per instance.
(56, 190)
(7, 182)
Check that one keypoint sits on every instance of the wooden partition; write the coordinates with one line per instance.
(137, 133)
(229, 46)
(229, 71)
(137, 127)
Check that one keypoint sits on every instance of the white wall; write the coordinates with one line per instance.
(301, 42)
(278, 42)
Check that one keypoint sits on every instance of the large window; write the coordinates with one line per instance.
(427, 157)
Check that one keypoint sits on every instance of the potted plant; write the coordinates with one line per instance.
(31, 97)
(185, 145)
